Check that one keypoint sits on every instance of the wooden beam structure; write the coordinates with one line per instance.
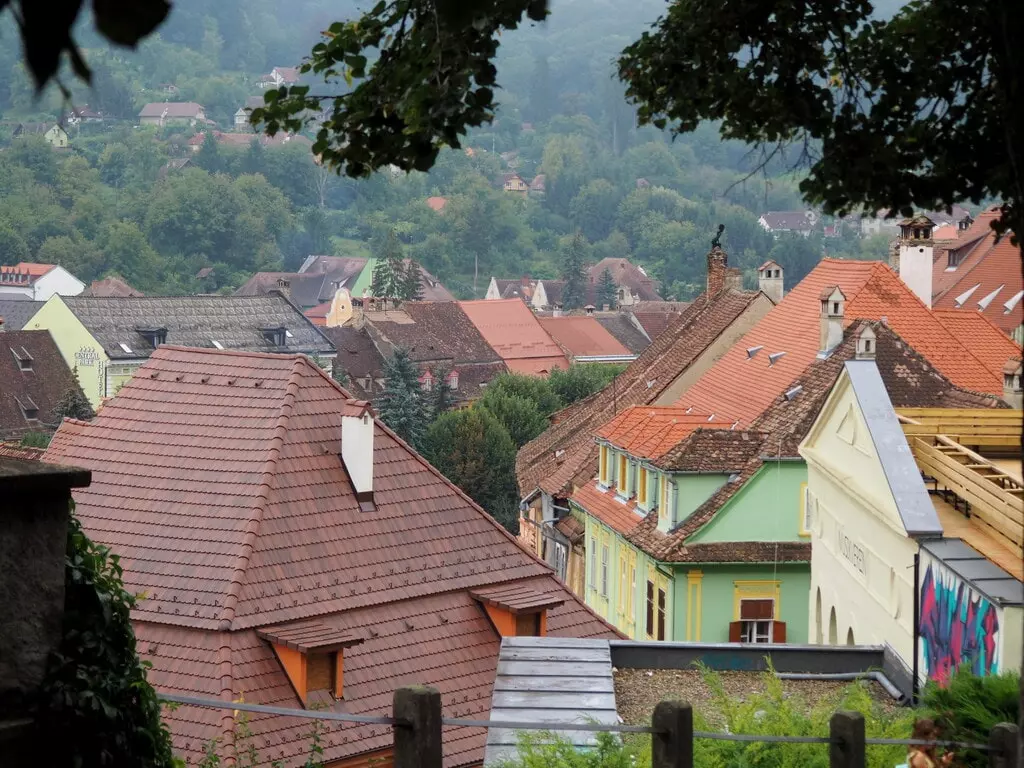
(982, 427)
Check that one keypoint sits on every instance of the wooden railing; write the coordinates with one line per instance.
(995, 495)
(989, 427)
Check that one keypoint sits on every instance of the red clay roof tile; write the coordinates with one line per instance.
(514, 332)
(648, 432)
(581, 336)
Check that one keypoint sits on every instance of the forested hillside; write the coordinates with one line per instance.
(121, 199)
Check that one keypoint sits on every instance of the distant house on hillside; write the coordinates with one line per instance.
(242, 115)
(538, 185)
(633, 282)
(172, 113)
(279, 76)
(111, 286)
(53, 133)
(83, 114)
(801, 222)
(513, 182)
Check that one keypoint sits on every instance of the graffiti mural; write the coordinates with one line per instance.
(958, 626)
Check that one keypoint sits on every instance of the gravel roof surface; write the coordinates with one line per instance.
(637, 691)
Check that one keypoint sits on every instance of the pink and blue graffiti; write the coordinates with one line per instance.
(958, 626)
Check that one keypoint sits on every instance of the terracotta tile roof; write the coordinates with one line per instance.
(514, 332)
(654, 322)
(622, 328)
(873, 291)
(284, 541)
(988, 279)
(111, 286)
(571, 528)
(16, 312)
(234, 322)
(647, 432)
(984, 338)
(31, 268)
(17, 451)
(519, 597)
(171, 109)
(624, 273)
(620, 516)
(309, 635)
(28, 397)
(581, 336)
(566, 450)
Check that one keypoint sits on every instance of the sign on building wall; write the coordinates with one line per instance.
(958, 626)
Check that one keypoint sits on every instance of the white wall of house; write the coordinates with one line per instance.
(57, 281)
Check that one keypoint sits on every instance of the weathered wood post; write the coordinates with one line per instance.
(418, 731)
(847, 748)
(1004, 739)
(672, 742)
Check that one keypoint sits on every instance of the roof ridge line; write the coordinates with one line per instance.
(227, 614)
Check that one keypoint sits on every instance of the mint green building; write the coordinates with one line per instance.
(694, 534)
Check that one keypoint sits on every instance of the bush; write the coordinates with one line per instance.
(581, 381)
(96, 697)
(517, 414)
(969, 706)
(531, 387)
(770, 712)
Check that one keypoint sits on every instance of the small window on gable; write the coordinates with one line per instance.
(154, 336)
(528, 625)
(453, 380)
(323, 673)
(427, 382)
(23, 357)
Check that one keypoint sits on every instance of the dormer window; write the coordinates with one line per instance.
(427, 382)
(453, 380)
(23, 357)
(276, 336)
(517, 611)
(155, 336)
(29, 409)
(312, 654)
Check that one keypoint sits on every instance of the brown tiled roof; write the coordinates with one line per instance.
(309, 635)
(433, 330)
(41, 386)
(111, 286)
(621, 516)
(712, 450)
(654, 321)
(357, 358)
(171, 109)
(747, 552)
(284, 540)
(518, 597)
(17, 451)
(312, 287)
(571, 528)
(624, 272)
(537, 464)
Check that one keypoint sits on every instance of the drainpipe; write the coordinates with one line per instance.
(915, 686)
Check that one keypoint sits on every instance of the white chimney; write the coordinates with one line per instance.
(833, 309)
(915, 260)
(589, 309)
(866, 344)
(769, 280)
(558, 310)
(357, 450)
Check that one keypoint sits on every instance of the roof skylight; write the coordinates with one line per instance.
(126, 348)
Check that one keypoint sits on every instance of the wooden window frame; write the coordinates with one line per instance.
(605, 556)
(649, 622)
(603, 466)
(641, 486)
(622, 476)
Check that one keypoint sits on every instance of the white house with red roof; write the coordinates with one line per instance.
(38, 282)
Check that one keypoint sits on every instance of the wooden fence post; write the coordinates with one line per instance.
(1005, 742)
(672, 742)
(418, 732)
(847, 748)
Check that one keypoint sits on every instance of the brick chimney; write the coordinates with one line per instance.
(284, 285)
(718, 262)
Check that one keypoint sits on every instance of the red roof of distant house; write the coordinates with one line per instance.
(516, 335)
(623, 272)
(750, 375)
(171, 109)
(648, 432)
(111, 286)
(437, 203)
(288, 74)
(986, 276)
(582, 336)
(285, 541)
(30, 268)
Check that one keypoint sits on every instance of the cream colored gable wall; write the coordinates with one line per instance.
(757, 309)
(861, 558)
(77, 346)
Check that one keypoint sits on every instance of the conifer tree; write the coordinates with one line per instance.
(389, 271)
(73, 404)
(411, 287)
(574, 272)
(607, 291)
(401, 404)
(208, 157)
(442, 397)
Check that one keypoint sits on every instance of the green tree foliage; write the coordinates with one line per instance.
(800, 254)
(73, 404)
(581, 381)
(607, 291)
(208, 157)
(519, 415)
(532, 388)
(401, 403)
(472, 449)
(389, 271)
(574, 272)
(96, 694)
(969, 706)
(593, 209)
(441, 398)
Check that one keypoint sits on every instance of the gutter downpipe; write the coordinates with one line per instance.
(915, 685)
(875, 675)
